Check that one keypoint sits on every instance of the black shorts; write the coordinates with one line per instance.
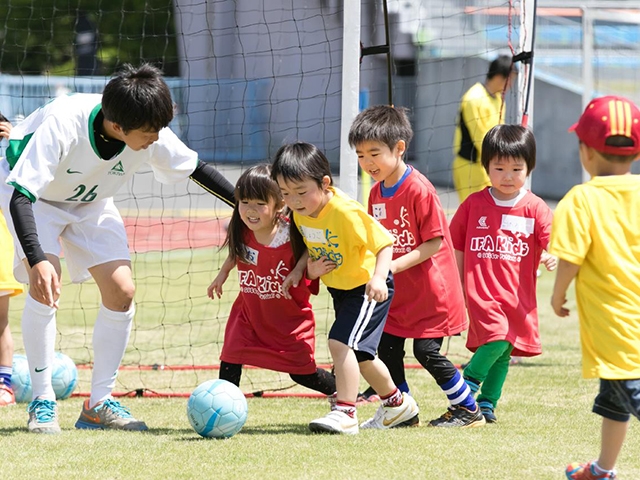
(359, 323)
(618, 400)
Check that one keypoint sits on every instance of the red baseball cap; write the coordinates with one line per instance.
(609, 116)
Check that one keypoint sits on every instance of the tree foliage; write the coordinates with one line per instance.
(39, 36)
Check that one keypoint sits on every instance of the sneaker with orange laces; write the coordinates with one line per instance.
(586, 471)
(6, 396)
(108, 414)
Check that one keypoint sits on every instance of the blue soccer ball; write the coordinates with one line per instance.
(64, 376)
(217, 409)
(21, 379)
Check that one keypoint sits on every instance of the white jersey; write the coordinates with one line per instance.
(52, 155)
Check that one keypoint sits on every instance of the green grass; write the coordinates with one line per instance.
(545, 418)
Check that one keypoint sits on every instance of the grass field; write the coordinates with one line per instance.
(544, 415)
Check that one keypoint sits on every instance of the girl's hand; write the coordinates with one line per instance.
(319, 267)
(377, 289)
(215, 289)
(292, 280)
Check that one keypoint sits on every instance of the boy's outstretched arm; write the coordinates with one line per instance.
(422, 253)
(209, 178)
(565, 274)
(376, 289)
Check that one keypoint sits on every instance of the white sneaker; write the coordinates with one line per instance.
(404, 415)
(335, 421)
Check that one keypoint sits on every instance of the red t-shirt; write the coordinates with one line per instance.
(502, 248)
(264, 328)
(428, 300)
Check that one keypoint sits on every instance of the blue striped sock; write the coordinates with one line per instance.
(404, 387)
(459, 393)
(5, 375)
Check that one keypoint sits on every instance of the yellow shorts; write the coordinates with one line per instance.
(469, 177)
(7, 280)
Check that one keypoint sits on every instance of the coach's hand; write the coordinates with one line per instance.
(44, 284)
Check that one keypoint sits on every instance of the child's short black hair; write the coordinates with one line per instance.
(503, 65)
(509, 141)
(381, 123)
(138, 98)
(300, 162)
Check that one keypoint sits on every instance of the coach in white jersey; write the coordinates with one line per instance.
(63, 166)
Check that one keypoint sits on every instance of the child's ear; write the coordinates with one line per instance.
(401, 147)
(326, 182)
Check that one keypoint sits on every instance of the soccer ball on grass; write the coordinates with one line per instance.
(217, 409)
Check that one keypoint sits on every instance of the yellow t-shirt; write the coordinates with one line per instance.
(597, 226)
(346, 234)
(7, 280)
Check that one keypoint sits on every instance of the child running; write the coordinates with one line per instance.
(271, 324)
(428, 303)
(595, 235)
(352, 253)
(499, 235)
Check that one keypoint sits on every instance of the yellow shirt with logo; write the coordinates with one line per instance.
(597, 226)
(346, 234)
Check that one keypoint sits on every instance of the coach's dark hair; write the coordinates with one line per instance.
(509, 141)
(503, 65)
(254, 184)
(300, 162)
(138, 98)
(381, 123)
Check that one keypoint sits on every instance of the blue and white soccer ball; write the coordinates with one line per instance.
(64, 376)
(217, 409)
(21, 379)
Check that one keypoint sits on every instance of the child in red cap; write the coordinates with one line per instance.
(595, 235)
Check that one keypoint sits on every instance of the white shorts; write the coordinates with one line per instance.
(90, 234)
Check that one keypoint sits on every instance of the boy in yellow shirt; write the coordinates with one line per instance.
(595, 235)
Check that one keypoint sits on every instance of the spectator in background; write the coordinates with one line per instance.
(481, 109)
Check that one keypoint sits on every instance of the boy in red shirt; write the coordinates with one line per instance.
(499, 235)
(428, 304)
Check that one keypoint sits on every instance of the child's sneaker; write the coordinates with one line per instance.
(404, 415)
(368, 396)
(335, 421)
(43, 416)
(586, 471)
(108, 415)
(6, 396)
(459, 416)
(488, 413)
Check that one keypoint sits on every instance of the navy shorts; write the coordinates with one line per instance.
(618, 400)
(359, 323)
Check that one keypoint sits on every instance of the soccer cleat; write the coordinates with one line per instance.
(43, 416)
(108, 415)
(459, 416)
(404, 415)
(335, 421)
(6, 396)
(586, 471)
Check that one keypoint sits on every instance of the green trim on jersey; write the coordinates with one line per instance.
(24, 191)
(15, 149)
(92, 132)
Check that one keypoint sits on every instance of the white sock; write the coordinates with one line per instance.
(110, 337)
(39, 336)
